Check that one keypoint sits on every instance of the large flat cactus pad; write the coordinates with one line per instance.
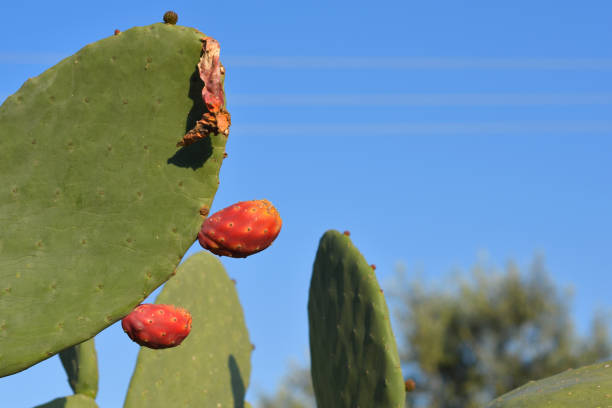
(211, 367)
(97, 204)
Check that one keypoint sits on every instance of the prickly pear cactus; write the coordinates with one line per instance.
(81, 365)
(98, 202)
(72, 401)
(211, 368)
(354, 359)
(589, 386)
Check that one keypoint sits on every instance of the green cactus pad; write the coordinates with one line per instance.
(589, 386)
(98, 204)
(73, 401)
(81, 365)
(211, 367)
(354, 359)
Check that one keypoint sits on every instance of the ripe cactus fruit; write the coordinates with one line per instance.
(157, 326)
(241, 229)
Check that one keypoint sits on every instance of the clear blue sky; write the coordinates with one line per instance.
(433, 131)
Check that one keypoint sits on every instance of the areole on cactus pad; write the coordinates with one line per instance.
(157, 326)
(241, 229)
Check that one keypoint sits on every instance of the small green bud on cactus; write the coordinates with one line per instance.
(170, 17)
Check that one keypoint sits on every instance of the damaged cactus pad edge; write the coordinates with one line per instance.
(109, 160)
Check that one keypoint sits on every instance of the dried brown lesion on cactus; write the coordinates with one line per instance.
(204, 210)
(212, 72)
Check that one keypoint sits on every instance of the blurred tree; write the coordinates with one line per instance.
(489, 335)
(295, 390)
(485, 336)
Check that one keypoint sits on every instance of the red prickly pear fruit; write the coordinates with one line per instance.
(157, 326)
(410, 385)
(241, 229)
(373, 267)
(117, 32)
(347, 233)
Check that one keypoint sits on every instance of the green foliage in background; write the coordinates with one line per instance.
(295, 390)
(489, 335)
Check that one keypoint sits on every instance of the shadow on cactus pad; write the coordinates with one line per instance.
(192, 156)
